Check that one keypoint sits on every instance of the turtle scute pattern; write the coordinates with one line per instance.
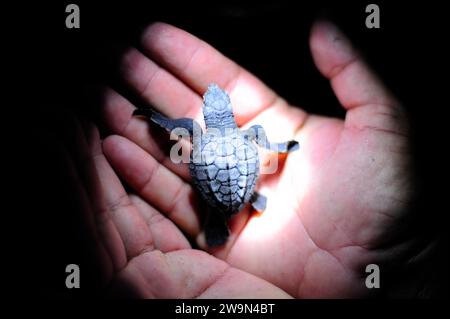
(227, 173)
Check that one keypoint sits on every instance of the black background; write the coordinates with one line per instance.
(57, 67)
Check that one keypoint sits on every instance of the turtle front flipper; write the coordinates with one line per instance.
(257, 133)
(168, 124)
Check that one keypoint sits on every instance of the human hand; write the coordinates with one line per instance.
(331, 206)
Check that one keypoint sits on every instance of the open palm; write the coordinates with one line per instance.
(330, 205)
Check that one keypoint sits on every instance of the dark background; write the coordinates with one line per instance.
(58, 68)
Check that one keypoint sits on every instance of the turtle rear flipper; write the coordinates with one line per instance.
(216, 229)
(258, 202)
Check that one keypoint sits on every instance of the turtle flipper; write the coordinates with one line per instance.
(216, 229)
(259, 202)
(258, 133)
(164, 122)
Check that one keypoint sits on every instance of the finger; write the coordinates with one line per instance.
(166, 235)
(86, 176)
(197, 63)
(84, 206)
(118, 221)
(361, 93)
(154, 182)
(159, 87)
(116, 116)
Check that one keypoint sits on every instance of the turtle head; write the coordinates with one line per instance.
(217, 109)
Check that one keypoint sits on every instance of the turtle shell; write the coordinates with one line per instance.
(226, 171)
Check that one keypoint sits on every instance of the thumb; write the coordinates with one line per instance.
(368, 103)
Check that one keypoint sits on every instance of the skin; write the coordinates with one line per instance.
(334, 206)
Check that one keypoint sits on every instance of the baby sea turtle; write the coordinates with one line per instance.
(224, 163)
